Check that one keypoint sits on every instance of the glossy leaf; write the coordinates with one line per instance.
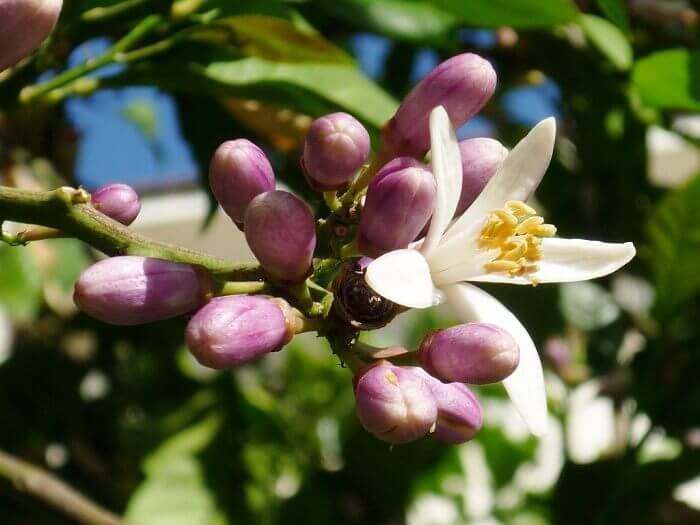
(20, 284)
(408, 20)
(669, 79)
(609, 40)
(616, 12)
(514, 13)
(674, 250)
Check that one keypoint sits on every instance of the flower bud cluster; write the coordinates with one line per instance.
(403, 403)
(378, 203)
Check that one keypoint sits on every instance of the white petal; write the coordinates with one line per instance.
(563, 261)
(569, 260)
(447, 168)
(403, 276)
(516, 179)
(525, 386)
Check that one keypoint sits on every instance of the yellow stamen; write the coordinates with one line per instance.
(520, 209)
(501, 266)
(516, 231)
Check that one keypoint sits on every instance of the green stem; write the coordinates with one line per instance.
(332, 201)
(46, 487)
(362, 181)
(141, 29)
(68, 210)
(350, 250)
(98, 14)
(242, 287)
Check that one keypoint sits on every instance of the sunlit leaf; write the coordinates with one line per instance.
(669, 79)
(609, 40)
(514, 13)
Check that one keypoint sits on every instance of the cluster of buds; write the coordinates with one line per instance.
(312, 271)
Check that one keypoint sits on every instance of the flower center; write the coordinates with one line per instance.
(516, 231)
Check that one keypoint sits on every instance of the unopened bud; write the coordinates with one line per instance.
(462, 84)
(233, 330)
(481, 158)
(336, 147)
(459, 412)
(132, 290)
(24, 24)
(475, 353)
(399, 202)
(118, 201)
(238, 172)
(395, 403)
(281, 232)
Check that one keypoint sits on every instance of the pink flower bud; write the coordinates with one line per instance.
(481, 157)
(395, 403)
(459, 412)
(462, 84)
(239, 171)
(118, 201)
(24, 24)
(281, 232)
(234, 330)
(399, 203)
(133, 290)
(475, 353)
(336, 147)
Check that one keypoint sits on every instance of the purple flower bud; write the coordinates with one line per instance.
(239, 171)
(481, 157)
(24, 24)
(476, 353)
(281, 232)
(118, 201)
(399, 203)
(133, 290)
(336, 147)
(459, 412)
(395, 403)
(234, 330)
(462, 84)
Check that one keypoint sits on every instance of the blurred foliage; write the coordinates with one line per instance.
(125, 415)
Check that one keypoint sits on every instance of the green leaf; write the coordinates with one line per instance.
(407, 20)
(674, 237)
(609, 40)
(177, 495)
(587, 305)
(188, 442)
(309, 88)
(514, 13)
(669, 79)
(616, 12)
(344, 86)
(20, 285)
(274, 39)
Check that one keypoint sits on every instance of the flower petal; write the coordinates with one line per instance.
(516, 179)
(563, 261)
(569, 260)
(447, 168)
(525, 386)
(403, 276)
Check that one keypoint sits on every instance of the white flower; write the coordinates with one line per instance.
(498, 239)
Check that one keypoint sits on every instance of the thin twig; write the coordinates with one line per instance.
(54, 492)
(68, 210)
